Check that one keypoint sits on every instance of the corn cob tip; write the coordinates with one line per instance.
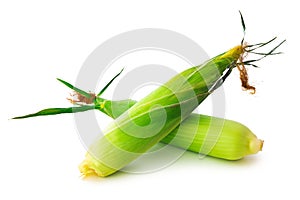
(261, 144)
(235, 52)
(90, 167)
(86, 168)
(256, 146)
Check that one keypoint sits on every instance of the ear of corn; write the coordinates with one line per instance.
(155, 116)
(215, 137)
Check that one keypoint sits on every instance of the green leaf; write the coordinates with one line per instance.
(243, 22)
(259, 45)
(244, 27)
(87, 95)
(109, 83)
(55, 111)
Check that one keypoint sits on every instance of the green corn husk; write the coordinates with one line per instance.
(129, 136)
(215, 137)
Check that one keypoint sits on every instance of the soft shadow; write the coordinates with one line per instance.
(190, 158)
(118, 175)
(186, 159)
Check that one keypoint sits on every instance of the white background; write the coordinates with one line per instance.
(42, 41)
